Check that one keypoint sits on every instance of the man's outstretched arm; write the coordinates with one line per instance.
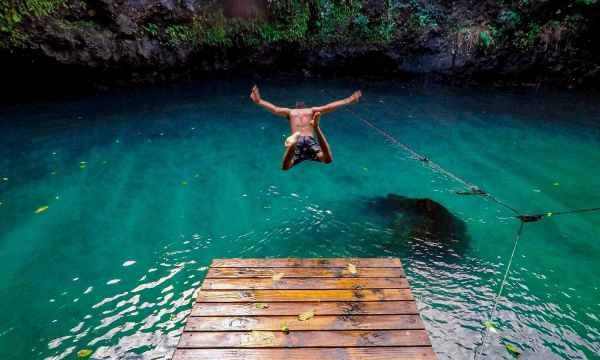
(352, 99)
(277, 110)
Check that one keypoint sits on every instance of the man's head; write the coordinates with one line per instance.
(300, 105)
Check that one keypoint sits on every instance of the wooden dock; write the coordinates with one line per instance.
(304, 309)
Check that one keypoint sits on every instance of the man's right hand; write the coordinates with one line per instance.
(355, 97)
(255, 94)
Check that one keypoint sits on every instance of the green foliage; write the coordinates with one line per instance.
(347, 21)
(509, 17)
(526, 40)
(291, 23)
(151, 29)
(488, 37)
(13, 13)
(180, 34)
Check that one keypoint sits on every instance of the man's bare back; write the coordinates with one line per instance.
(304, 124)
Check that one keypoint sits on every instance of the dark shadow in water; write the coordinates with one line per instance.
(422, 228)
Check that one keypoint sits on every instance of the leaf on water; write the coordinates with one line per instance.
(512, 349)
(83, 353)
(307, 315)
(285, 328)
(549, 214)
(277, 277)
(556, 184)
(41, 209)
(184, 183)
(490, 326)
(352, 269)
(83, 166)
(261, 306)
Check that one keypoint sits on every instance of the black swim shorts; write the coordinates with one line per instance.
(307, 148)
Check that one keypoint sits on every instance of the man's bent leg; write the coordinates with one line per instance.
(325, 154)
(290, 149)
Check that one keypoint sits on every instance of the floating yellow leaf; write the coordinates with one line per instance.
(490, 326)
(261, 306)
(277, 277)
(307, 315)
(352, 269)
(512, 349)
(83, 353)
(41, 209)
(285, 328)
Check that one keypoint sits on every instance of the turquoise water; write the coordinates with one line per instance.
(144, 187)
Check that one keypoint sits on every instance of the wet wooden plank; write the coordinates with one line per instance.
(291, 308)
(249, 272)
(303, 295)
(276, 339)
(357, 353)
(305, 283)
(318, 322)
(296, 263)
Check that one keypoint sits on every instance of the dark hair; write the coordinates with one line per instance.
(300, 104)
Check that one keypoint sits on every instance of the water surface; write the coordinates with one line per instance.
(144, 187)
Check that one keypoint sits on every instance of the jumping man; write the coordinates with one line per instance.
(304, 123)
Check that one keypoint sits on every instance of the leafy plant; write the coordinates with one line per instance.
(487, 37)
(13, 13)
(180, 34)
(510, 18)
(151, 29)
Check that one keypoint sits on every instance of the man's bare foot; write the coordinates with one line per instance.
(292, 139)
(315, 120)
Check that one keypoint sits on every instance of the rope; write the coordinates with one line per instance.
(472, 188)
(492, 313)
(568, 212)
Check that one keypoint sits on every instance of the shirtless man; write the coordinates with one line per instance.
(304, 123)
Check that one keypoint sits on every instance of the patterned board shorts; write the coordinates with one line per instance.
(307, 148)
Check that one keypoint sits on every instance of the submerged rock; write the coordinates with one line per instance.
(424, 221)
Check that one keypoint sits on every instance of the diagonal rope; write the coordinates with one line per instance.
(472, 188)
(492, 312)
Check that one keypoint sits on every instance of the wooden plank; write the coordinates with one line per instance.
(303, 272)
(305, 283)
(361, 353)
(291, 308)
(275, 339)
(292, 262)
(319, 322)
(303, 295)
